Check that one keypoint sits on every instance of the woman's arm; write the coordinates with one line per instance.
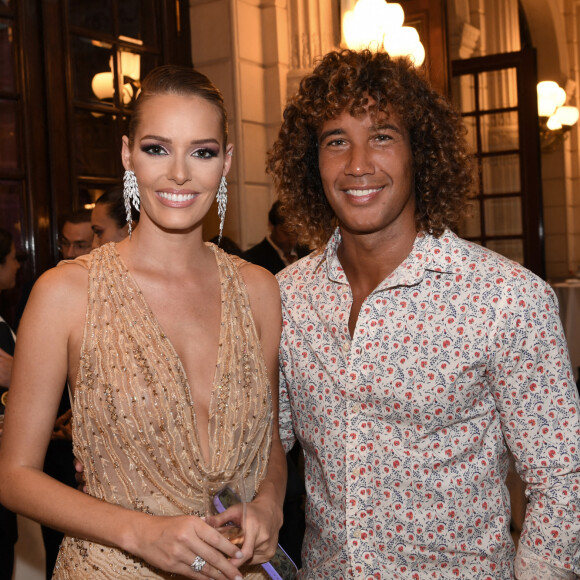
(47, 352)
(266, 509)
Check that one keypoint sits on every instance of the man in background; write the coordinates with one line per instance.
(76, 235)
(278, 249)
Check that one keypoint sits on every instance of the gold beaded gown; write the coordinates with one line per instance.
(134, 424)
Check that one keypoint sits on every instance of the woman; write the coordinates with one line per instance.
(8, 267)
(172, 354)
(109, 218)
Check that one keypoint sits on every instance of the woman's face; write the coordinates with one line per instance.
(179, 158)
(8, 270)
(105, 228)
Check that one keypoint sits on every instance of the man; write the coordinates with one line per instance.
(411, 359)
(278, 249)
(76, 235)
(76, 239)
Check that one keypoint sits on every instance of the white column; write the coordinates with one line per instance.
(315, 30)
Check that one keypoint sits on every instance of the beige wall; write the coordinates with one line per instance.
(242, 45)
(256, 51)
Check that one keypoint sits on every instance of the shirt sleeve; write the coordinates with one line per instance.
(538, 401)
(529, 567)
(284, 410)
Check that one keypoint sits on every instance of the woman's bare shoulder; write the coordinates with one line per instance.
(260, 282)
(264, 294)
(61, 287)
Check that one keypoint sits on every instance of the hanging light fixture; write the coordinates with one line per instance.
(130, 68)
(378, 25)
(556, 118)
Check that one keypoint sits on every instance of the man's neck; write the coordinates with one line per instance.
(367, 260)
(287, 257)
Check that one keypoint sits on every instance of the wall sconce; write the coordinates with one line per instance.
(377, 25)
(103, 83)
(556, 119)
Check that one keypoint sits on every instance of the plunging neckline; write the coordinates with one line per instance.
(207, 465)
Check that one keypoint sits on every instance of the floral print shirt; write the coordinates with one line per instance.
(404, 425)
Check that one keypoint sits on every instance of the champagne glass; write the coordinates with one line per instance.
(219, 494)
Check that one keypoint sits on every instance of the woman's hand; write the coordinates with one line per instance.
(263, 522)
(172, 543)
(179, 540)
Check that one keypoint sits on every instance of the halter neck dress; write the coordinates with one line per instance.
(134, 422)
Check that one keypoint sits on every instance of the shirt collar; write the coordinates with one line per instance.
(428, 253)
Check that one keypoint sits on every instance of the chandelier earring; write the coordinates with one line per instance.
(131, 196)
(222, 201)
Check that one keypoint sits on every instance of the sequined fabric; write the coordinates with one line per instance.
(134, 424)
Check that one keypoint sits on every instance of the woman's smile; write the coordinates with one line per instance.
(176, 198)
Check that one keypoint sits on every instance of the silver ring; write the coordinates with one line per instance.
(198, 564)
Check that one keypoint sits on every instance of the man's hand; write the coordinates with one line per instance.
(63, 427)
(80, 475)
(5, 368)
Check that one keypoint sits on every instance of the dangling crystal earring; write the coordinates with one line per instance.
(222, 200)
(130, 195)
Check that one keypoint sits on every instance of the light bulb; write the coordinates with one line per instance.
(567, 115)
(354, 35)
(405, 42)
(548, 97)
(395, 16)
(553, 123)
(102, 85)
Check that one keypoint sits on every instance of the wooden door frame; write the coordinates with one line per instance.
(529, 142)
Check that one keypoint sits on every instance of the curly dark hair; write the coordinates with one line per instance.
(346, 80)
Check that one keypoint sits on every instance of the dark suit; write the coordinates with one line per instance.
(265, 255)
(293, 528)
(8, 529)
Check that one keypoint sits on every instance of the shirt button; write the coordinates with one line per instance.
(346, 347)
(356, 534)
(356, 408)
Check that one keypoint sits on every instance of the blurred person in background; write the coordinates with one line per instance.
(227, 245)
(9, 265)
(109, 218)
(278, 249)
(76, 235)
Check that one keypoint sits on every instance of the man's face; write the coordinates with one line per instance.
(284, 239)
(366, 167)
(75, 240)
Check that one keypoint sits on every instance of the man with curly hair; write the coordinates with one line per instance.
(411, 360)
